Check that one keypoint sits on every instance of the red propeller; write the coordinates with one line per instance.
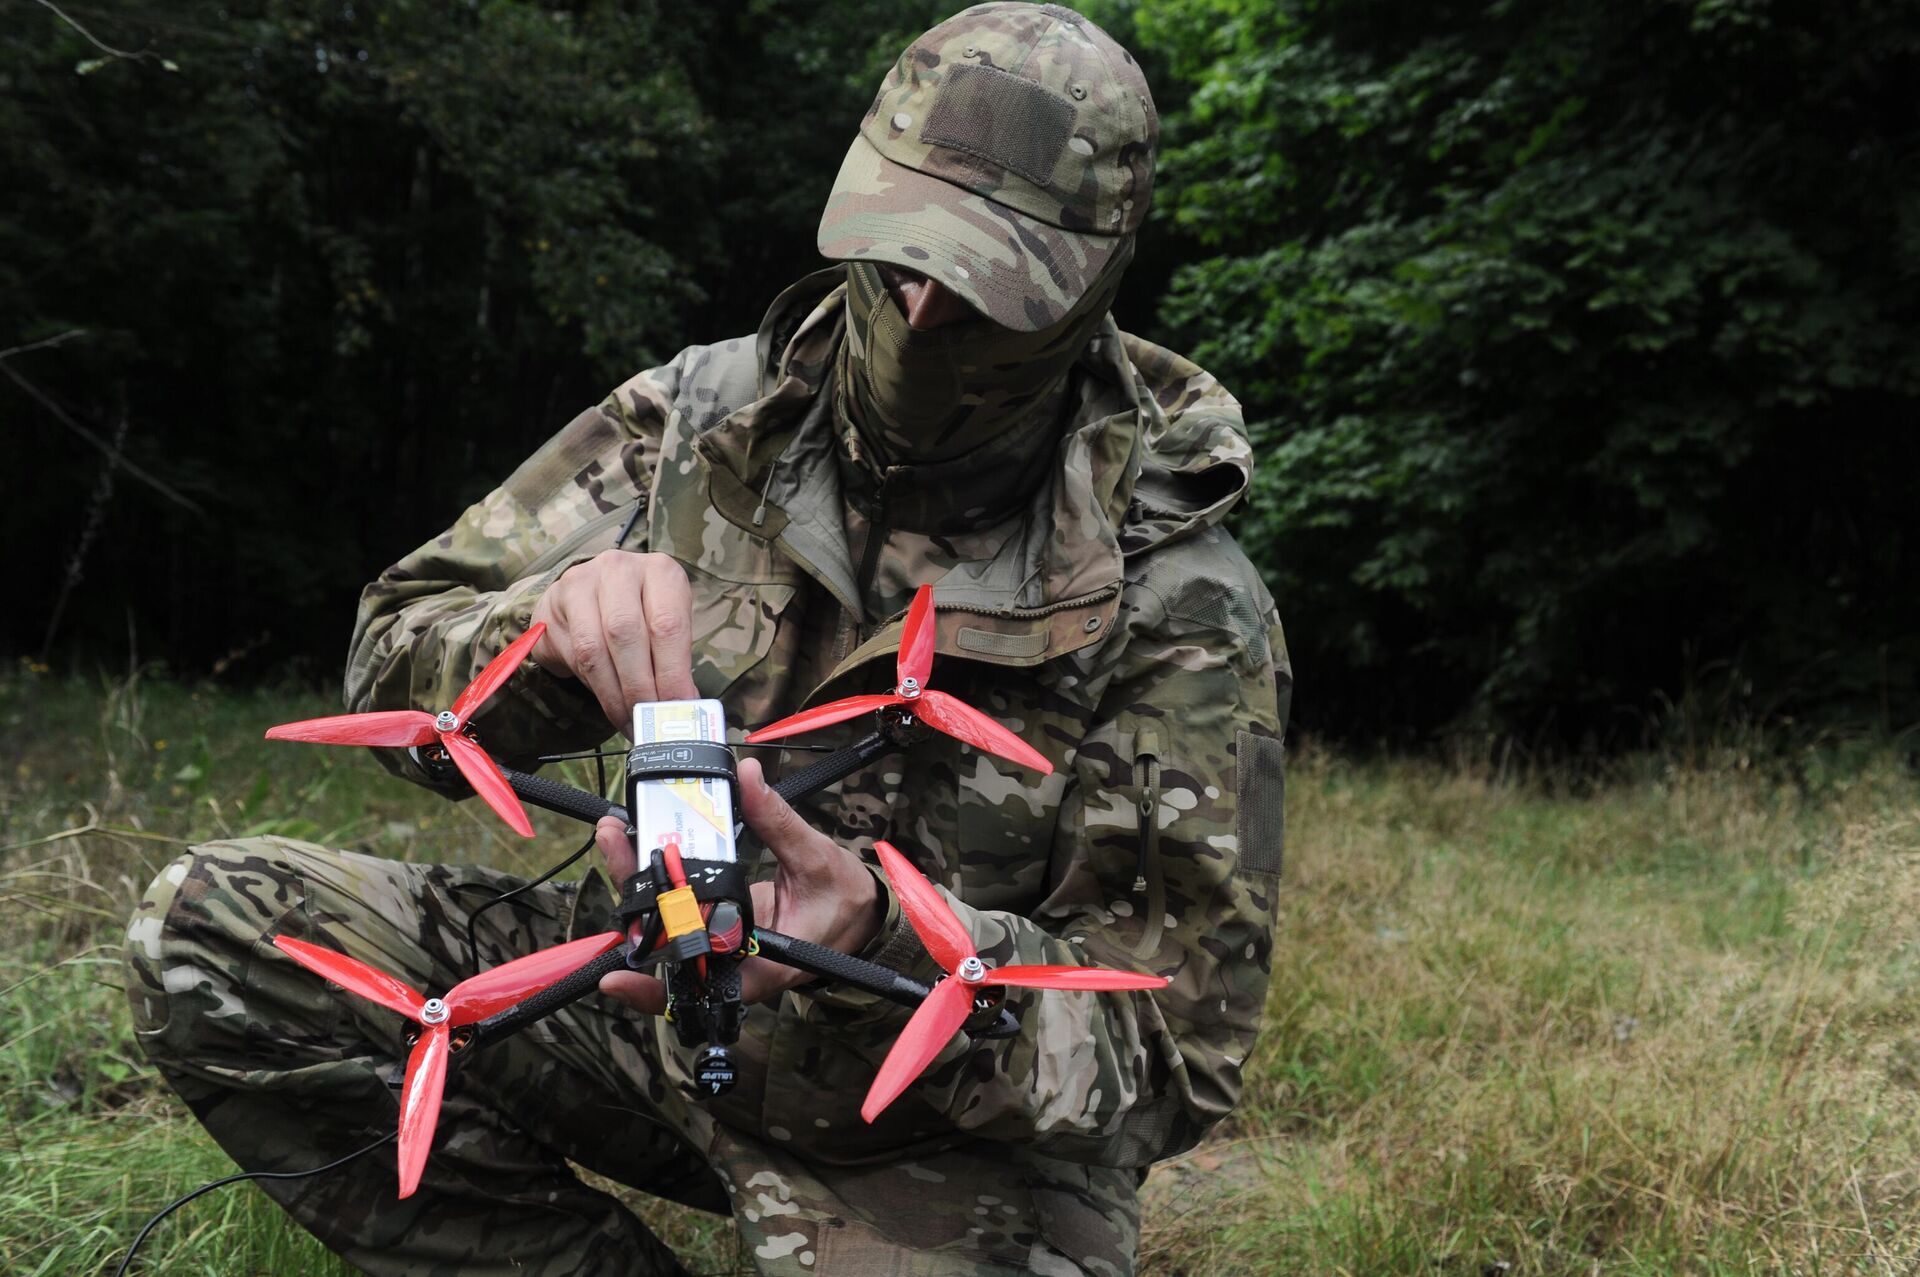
(936, 709)
(937, 1019)
(403, 727)
(468, 1002)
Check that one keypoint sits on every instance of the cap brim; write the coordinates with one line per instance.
(1016, 270)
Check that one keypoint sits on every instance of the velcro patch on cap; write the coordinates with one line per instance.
(998, 117)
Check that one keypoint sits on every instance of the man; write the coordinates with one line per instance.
(953, 405)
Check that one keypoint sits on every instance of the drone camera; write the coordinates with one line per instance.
(713, 1070)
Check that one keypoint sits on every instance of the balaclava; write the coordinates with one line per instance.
(923, 398)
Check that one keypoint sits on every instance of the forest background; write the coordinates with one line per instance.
(1579, 343)
(1580, 347)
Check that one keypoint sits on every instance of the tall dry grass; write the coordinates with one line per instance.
(1662, 1023)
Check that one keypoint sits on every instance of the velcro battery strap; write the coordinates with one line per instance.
(711, 880)
(681, 760)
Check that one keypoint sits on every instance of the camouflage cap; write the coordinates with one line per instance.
(1008, 154)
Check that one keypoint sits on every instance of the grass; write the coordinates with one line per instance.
(1668, 1024)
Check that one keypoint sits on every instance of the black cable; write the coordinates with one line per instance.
(736, 744)
(204, 1189)
(473, 942)
(473, 919)
(591, 753)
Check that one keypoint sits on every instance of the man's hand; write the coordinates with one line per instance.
(820, 892)
(621, 623)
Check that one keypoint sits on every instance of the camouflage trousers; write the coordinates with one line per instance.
(288, 1073)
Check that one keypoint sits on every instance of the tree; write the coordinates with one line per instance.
(346, 265)
(1581, 344)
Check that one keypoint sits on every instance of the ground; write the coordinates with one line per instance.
(1662, 1017)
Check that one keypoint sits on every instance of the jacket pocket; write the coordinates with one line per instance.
(587, 540)
(736, 629)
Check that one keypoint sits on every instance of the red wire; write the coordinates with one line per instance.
(670, 851)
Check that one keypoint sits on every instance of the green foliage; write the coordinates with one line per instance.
(343, 269)
(1578, 339)
(1581, 347)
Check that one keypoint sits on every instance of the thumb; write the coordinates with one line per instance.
(789, 838)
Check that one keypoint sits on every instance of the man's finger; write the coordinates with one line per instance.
(624, 628)
(762, 981)
(641, 992)
(759, 978)
(590, 658)
(572, 643)
(566, 658)
(669, 621)
(611, 837)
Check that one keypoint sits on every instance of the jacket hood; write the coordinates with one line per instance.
(1197, 463)
(1153, 452)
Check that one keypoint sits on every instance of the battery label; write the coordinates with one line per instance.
(697, 811)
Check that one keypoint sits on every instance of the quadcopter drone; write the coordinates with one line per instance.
(688, 912)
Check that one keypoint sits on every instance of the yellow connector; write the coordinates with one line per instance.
(680, 912)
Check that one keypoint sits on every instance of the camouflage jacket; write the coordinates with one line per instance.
(1107, 619)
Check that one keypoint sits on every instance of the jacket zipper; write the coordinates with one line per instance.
(580, 536)
(1146, 776)
(1023, 613)
(1148, 883)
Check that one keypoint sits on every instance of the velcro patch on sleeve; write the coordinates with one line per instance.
(1260, 783)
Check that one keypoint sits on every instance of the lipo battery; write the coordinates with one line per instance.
(696, 812)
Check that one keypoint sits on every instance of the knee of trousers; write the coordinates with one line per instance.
(197, 986)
